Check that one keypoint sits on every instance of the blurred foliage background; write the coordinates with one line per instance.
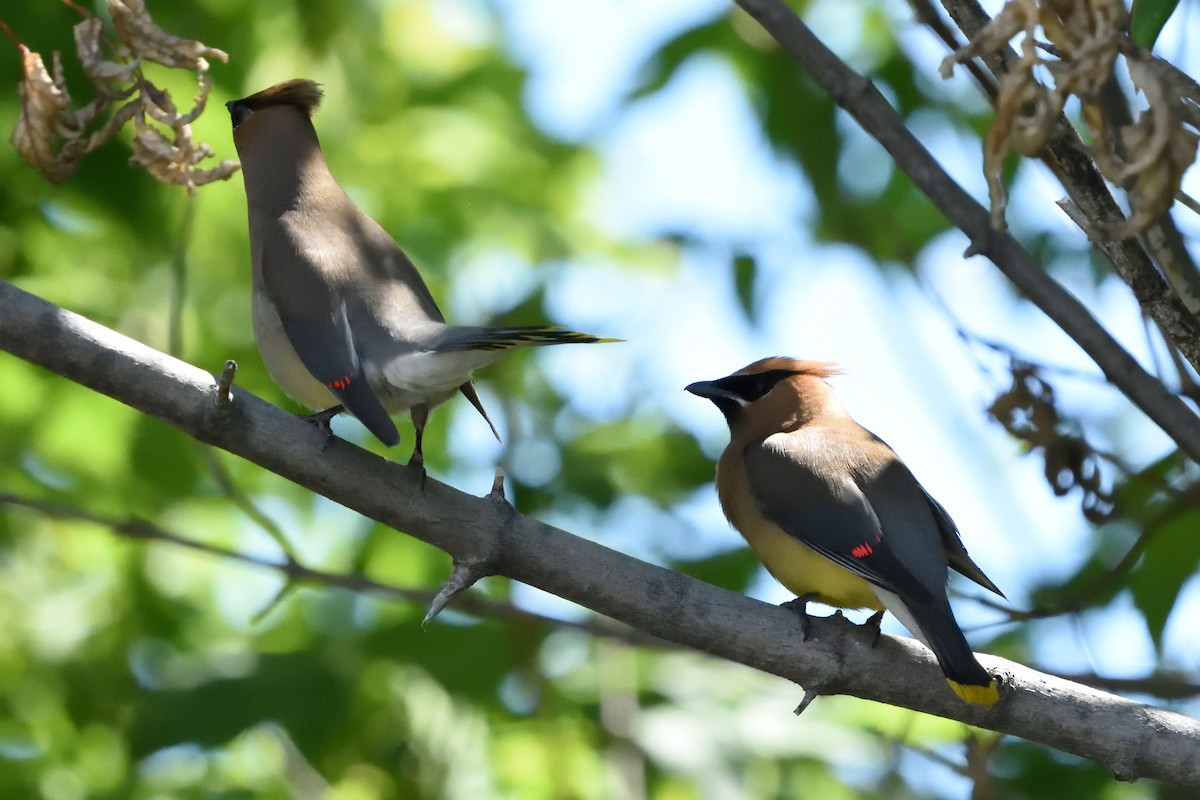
(666, 175)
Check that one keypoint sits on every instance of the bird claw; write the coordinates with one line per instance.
(800, 606)
(874, 623)
(417, 462)
(322, 419)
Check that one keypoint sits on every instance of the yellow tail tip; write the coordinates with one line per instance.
(979, 695)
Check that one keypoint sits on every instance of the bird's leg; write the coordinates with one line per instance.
(420, 415)
(800, 606)
(874, 624)
(322, 419)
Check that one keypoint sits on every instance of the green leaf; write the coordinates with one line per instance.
(714, 37)
(634, 457)
(1171, 559)
(1025, 770)
(164, 464)
(297, 691)
(745, 268)
(1148, 18)
(732, 570)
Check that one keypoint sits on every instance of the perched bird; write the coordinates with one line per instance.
(835, 515)
(341, 316)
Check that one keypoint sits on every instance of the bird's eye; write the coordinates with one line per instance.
(764, 384)
(238, 112)
(752, 387)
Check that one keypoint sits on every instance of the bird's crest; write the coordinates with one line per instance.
(817, 369)
(299, 93)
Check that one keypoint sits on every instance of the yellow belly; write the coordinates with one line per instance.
(805, 571)
(800, 569)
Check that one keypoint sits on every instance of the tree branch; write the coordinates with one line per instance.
(867, 105)
(1131, 739)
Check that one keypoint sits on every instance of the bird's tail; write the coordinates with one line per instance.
(969, 680)
(492, 339)
(963, 672)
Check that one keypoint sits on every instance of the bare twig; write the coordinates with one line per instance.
(929, 16)
(212, 462)
(9, 33)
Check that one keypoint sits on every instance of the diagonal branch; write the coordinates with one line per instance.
(1131, 739)
(867, 105)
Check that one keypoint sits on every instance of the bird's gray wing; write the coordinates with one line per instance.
(314, 318)
(901, 501)
(826, 511)
(956, 552)
(383, 263)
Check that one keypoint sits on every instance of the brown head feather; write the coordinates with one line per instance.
(817, 369)
(298, 92)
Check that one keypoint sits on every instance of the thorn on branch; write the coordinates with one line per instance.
(1076, 215)
(225, 382)
(466, 573)
(806, 701)
(981, 242)
(496, 495)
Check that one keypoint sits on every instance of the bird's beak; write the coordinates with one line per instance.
(710, 390)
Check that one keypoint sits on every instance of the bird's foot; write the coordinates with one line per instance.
(417, 462)
(800, 606)
(322, 419)
(874, 625)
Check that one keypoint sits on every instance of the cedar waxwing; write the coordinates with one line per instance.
(835, 515)
(340, 314)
